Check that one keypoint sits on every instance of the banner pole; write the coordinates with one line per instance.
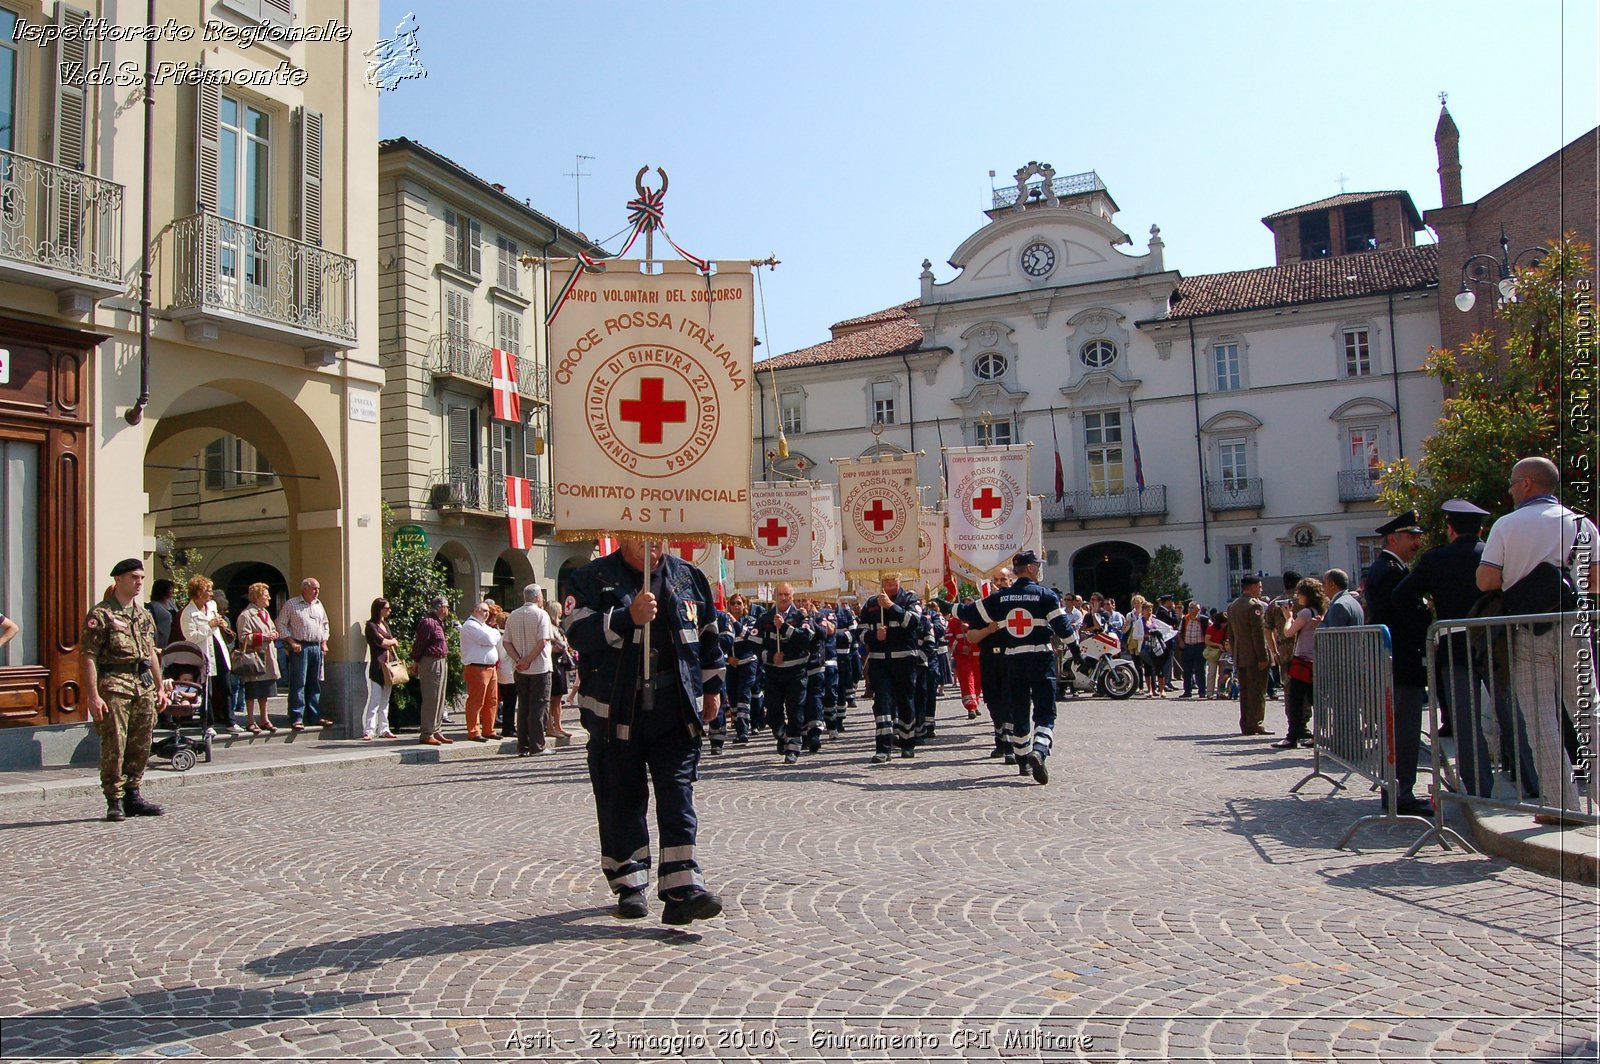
(647, 693)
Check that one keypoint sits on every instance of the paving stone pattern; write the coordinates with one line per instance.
(1163, 898)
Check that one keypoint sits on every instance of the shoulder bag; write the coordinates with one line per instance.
(396, 670)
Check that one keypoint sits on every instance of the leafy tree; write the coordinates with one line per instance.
(1531, 394)
(1164, 576)
(411, 578)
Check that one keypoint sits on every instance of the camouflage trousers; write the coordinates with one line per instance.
(125, 733)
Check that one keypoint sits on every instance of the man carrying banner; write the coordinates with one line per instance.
(647, 730)
(891, 620)
(1029, 613)
(786, 640)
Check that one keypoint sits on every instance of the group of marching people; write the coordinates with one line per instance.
(794, 667)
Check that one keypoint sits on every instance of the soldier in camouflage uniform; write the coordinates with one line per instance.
(121, 674)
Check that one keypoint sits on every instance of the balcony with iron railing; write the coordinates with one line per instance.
(1089, 505)
(1069, 185)
(1234, 493)
(216, 273)
(468, 489)
(1359, 485)
(472, 362)
(60, 229)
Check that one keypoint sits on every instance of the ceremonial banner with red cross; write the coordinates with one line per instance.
(879, 504)
(709, 558)
(930, 552)
(987, 508)
(826, 572)
(781, 517)
(519, 512)
(507, 400)
(651, 403)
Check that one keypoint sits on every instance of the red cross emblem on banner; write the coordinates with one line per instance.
(507, 401)
(877, 515)
(519, 512)
(986, 502)
(1019, 622)
(652, 411)
(686, 549)
(773, 532)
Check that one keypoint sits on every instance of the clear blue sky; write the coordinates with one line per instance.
(854, 139)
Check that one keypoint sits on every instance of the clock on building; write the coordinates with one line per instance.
(1038, 259)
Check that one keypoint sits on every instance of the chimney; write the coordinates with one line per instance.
(498, 187)
(1447, 139)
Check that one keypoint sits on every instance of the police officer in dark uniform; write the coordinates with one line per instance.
(786, 642)
(647, 730)
(122, 676)
(890, 620)
(1029, 613)
(1408, 626)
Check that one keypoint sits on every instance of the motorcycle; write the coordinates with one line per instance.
(1093, 662)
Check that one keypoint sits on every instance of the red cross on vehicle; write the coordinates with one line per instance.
(652, 410)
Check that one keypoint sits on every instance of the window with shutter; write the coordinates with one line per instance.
(214, 461)
(506, 276)
(474, 264)
(9, 57)
(277, 12)
(508, 331)
(450, 223)
(458, 331)
(69, 131)
(308, 127)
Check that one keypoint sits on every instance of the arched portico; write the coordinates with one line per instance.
(1113, 567)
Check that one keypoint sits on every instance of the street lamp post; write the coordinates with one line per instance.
(1477, 270)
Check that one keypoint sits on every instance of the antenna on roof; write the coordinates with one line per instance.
(577, 176)
(1342, 180)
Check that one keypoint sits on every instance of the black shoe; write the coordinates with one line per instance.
(1022, 764)
(133, 804)
(1284, 744)
(114, 810)
(740, 740)
(880, 759)
(908, 752)
(696, 903)
(633, 905)
(1411, 806)
(813, 743)
(1010, 758)
(998, 751)
(791, 758)
(1041, 775)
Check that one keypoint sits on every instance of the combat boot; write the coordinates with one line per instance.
(114, 811)
(133, 804)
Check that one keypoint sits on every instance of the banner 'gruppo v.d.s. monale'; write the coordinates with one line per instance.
(651, 405)
(879, 503)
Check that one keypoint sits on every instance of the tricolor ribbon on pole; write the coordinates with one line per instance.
(645, 214)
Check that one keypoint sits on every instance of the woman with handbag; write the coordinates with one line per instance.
(1310, 602)
(383, 671)
(256, 658)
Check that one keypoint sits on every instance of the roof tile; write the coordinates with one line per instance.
(1311, 281)
(891, 332)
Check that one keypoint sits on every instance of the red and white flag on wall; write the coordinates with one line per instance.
(507, 401)
(519, 512)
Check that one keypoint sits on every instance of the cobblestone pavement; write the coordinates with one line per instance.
(1163, 898)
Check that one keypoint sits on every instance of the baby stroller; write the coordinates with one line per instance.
(184, 664)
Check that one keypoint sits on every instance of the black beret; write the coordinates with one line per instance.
(127, 565)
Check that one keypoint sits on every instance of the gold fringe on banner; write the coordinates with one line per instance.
(881, 574)
(574, 535)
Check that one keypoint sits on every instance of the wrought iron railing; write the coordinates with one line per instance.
(1234, 493)
(475, 361)
(212, 263)
(60, 219)
(1087, 505)
(471, 488)
(1070, 185)
(1359, 485)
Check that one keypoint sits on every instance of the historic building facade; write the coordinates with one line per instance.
(464, 271)
(263, 327)
(1234, 416)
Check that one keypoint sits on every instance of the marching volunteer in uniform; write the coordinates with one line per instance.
(1028, 612)
(890, 620)
(992, 675)
(122, 675)
(966, 654)
(647, 731)
(743, 666)
(786, 638)
(719, 726)
(821, 674)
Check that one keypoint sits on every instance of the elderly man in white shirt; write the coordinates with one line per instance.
(1545, 669)
(304, 625)
(528, 633)
(480, 652)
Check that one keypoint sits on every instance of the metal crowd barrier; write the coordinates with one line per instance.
(1520, 682)
(1353, 725)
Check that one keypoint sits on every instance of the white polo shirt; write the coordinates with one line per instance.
(1540, 530)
